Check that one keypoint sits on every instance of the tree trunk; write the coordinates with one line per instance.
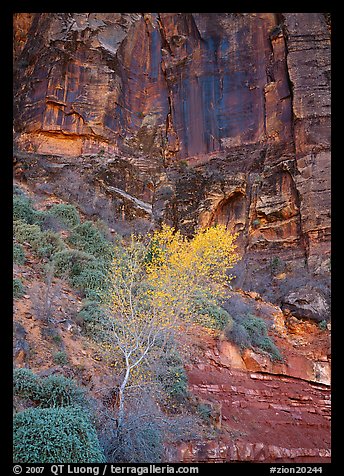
(121, 398)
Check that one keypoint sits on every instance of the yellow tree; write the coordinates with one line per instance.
(134, 323)
(154, 286)
(183, 273)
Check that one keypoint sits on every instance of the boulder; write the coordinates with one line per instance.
(307, 303)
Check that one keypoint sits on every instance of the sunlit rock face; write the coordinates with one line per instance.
(190, 84)
(230, 112)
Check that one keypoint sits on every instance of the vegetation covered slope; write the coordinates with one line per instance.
(134, 297)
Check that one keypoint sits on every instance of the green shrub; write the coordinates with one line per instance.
(61, 358)
(84, 272)
(257, 329)
(39, 216)
(88, 238)
(322, 325)
(209, 314)
(92, 281)
(44, 243)
(51, 243)
(23, 209)
(252, 331)
(18, 288)
(60, 391)
(173, 377)
(277, 265)
(266, 344)
(55, 435)
(237, 334)
(178, 383)
(51, 391)
(67, 214)
(205, 411)
(18, 254)
(71, 262)
(91, 320)
(87, 265)
(255, 326)
(27, 233)
(26, 384)
(57, 339)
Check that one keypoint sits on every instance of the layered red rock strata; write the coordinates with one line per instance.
(243, 99)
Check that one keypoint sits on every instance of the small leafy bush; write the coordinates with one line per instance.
(251, 331)
(51, 243)
(267, 345)
(258, 332)
(91, 280)
(27, 233)
(178, 382)
(55, 435)
(26, 384)
(44, 243)
(322, 325)
(71, 262)
(23, 209)
(256, 327)
(60, 358)
(39, 216)
(237, 334)
(88, 238)
(209, 314)
(60, 391)
(91, 318)
(18, 254)
(84, 272)
(57, 339)
(18, 288)
(277, 265)
(173, 377)
(67, 214)
(51, 391)
(88, 263)
(204, 411)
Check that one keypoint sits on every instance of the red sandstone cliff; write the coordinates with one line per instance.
(243, 100)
